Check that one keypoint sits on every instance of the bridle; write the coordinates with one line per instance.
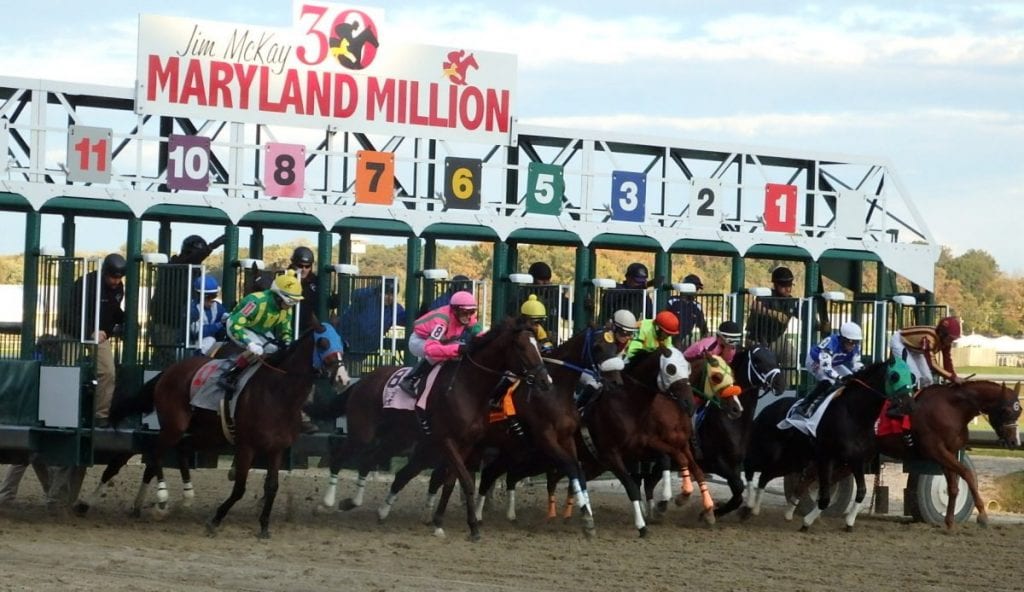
(528, 375)
(761, 380)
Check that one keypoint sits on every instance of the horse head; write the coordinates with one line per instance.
(720, 386)
(763, 370)
(1004, 412)
(898, 381)
(515, 339)
(328, 352)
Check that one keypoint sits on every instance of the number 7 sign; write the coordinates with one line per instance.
(780, 207)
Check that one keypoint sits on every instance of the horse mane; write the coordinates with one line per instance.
(641, 356)
(499, 330)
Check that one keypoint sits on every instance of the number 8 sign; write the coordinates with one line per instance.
(284, 170)
(780, 207)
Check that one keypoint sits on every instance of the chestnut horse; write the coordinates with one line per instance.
(458, 411)
(938, 423)
(267, 418)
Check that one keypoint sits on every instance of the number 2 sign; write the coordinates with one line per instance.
(780, 207)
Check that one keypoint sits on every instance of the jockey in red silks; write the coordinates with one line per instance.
(441, 335)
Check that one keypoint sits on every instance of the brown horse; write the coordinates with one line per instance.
(938, 424)
(458, 411)
(266, 416)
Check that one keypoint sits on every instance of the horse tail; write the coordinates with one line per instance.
(137, 404)
(334, 407)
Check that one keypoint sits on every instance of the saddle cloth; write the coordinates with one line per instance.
(887, 425)
(204, 392)
(808, 425)
(396, 398)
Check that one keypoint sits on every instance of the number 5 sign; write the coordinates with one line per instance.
(545, 186)
(780, 207)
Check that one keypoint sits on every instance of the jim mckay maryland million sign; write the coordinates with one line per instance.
(336, 66)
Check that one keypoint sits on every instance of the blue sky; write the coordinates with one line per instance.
(935, 87)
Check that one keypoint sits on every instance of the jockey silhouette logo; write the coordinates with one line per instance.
(457, 65)
(354, 42)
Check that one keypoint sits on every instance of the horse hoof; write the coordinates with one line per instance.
(211, 529)
(347, 504)
(662, 506)
(263, 535)
(589, 532)
(643, 532)
(805, 528)
(849, 528)
(439, 533)
(708, 516)
(681, 499)
(80, 508)
(745, 513)
(474, 537)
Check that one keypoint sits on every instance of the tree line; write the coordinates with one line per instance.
(989, 301)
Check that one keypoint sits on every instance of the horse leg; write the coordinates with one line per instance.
(86, 501)
(270, 486)
(188, 494)
(438, 478)
(455, 462)
(442, 503)
(685, 459)
(243, 460)
(824, 469)
(488, 476)
(415, 465)
(732, 477)
(954, 471)
(563, 452)
(858, 500)
(618, 468)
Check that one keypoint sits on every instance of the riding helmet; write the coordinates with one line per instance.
(668, 322)
(534, 309)
(730, 332)
(851, 331)
(625, 321)
(462, 299)
(695, 280)
(302, 256)
(540, 271)
(287, 287)
(206, 285)
(114, 265)
(782, 276)
(193, 243)
(636, 271)
(951, 326)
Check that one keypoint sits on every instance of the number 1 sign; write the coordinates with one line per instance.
(780, 207)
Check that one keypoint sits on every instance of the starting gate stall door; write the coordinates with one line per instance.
(557, 301)
(714, 309)
(370, 321)
(438, 292)
(65, 340)
(909, 315)
(865, 313)
(169, 334)
(636, 300)
(780, 323)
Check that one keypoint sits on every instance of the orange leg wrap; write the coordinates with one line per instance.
(570, 502)
(686, 483)
(705, 496)
(552, 507)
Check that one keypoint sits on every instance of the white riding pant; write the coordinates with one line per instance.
(916, 360)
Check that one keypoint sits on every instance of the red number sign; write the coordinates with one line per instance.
(780, 207)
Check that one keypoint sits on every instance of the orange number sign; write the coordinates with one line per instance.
(375, 177)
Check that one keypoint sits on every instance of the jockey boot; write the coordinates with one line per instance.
(228, 381)
(499, 392)
(895, 411)
(408, 383)
(515, 427)
(810, 403)
(308, 427)
(421, 417)
(588, 394)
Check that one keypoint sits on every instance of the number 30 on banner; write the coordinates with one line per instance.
(780, 207)
(375, 177)
(284, 170)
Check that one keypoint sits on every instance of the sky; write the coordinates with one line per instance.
(937, 87)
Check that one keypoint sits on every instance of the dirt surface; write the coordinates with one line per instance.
(312, 550)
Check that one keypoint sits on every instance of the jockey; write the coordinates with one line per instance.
(208, 314)
(441, 335)
(608, 352)
(259, 317)
(654, 333)
(535, 311)
(921, 346)
(830, 361)
(723, 343)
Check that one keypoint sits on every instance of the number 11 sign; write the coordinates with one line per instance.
(780, 207)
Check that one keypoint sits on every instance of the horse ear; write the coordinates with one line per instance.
(1017, 388)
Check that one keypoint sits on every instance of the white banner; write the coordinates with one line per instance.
(335, 67)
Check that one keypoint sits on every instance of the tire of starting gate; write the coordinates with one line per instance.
(930, 496)
(843, 492)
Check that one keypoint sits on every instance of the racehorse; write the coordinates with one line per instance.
(938, 422)
(266, 415)
(723, 438)
(457, 407)
(844, 438)
(648, 414)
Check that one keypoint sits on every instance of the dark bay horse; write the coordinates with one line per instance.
(267, 415)
(939, 424)
(722, 435)
(458, 410)
(844, 440)
(647, 415)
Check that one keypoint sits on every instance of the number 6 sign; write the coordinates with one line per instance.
(780, 207)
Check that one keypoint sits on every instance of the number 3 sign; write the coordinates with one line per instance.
(780, 207)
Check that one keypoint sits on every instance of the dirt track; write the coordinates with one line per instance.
(351, 551)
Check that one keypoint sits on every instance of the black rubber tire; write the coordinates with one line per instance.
(931, 495)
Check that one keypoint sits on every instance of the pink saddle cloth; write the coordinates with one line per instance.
(396, 398)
